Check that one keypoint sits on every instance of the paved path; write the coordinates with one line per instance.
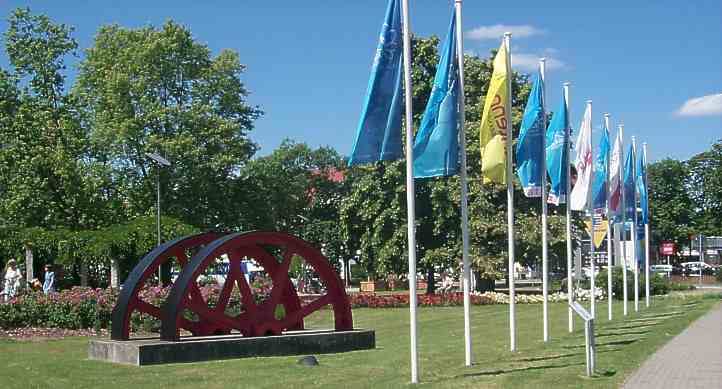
(693, 359)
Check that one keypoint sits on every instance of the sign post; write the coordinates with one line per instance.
(588, 334)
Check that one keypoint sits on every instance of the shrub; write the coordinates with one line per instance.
(658, 285)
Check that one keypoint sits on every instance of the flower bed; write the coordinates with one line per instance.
(363, 300)
(84, 308)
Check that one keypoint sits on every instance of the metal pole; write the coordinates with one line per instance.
(701, 256)
(464, 190)
(157, 223)
(410, 200)
(624, 219)
(545, 253)
(568, 227)
(510, 196)
(588, 347)
(634, 229)
(609, 230)
(592, 347)
(646, 229)
(592, 263)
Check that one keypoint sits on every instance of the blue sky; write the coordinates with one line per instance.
(309, 61)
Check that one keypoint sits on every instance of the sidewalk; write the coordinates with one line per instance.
(691, 360)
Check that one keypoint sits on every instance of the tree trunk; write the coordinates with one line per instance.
(484, 284)
(430, 284)
(114, 274)
(83, 274)
(29, 264)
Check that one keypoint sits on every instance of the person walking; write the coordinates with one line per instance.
(12, 279)
(49, 283)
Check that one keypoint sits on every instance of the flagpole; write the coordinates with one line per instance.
(634, 228)
(624, 217)
(567, 140)
(510, 196)
(410, 200)
(609, 229)
(464, 190)
(592, 264)
(545, 254)
(646, 227)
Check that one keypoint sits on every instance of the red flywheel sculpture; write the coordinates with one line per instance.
(186, 308)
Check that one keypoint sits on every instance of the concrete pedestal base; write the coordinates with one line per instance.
(153, 351)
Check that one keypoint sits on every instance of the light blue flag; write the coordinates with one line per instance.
(436, 147)
(601, 172)
(378, 137)
(557, 150)
(630, 205)
(642, 188)
(531, 141)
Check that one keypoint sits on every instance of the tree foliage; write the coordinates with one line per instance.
(160, 90)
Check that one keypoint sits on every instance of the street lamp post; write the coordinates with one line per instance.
(162, 162)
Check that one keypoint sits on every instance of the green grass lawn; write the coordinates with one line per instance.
(622, 345)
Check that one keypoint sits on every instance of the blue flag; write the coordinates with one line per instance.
(601, 172)
(531, 141)
(557, 148)
(630, 205)
(378, 137)
(642, 187)
(436, 147)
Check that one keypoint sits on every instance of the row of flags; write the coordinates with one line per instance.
(606, 181)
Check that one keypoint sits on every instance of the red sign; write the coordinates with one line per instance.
(667, 248)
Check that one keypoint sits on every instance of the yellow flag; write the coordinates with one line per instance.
(600, 231)
(494, 126)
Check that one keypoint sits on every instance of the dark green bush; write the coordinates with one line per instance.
(658, 285)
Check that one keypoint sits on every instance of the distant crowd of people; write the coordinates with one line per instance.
(13, 281)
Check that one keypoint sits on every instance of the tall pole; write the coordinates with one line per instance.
(701, 256)
(609, 230)
(464, 190)
(634, 230)
(624, 219)
(568, 227)
(592, 264)
(545, 257)
(646, 229)
(410, 200)
(510, 196)
(157, 222)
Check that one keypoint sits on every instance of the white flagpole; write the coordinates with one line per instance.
(624, 218)
(646, 227)
(609, 229)
(510, 195)
(634, 228)
(410, 200)
(570, 282)
(545, 255)
(464, 190)
(592, 264)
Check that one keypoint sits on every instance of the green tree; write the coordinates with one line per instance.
(44, 167)
(670, 205)
(705, 188)
(159, 90)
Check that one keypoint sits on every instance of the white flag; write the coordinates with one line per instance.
(615, 181)
(583, 163)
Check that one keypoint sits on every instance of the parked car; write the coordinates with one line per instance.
(692, 269)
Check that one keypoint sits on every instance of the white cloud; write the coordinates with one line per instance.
(530, 62)
(497, 31)
(710, 105)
